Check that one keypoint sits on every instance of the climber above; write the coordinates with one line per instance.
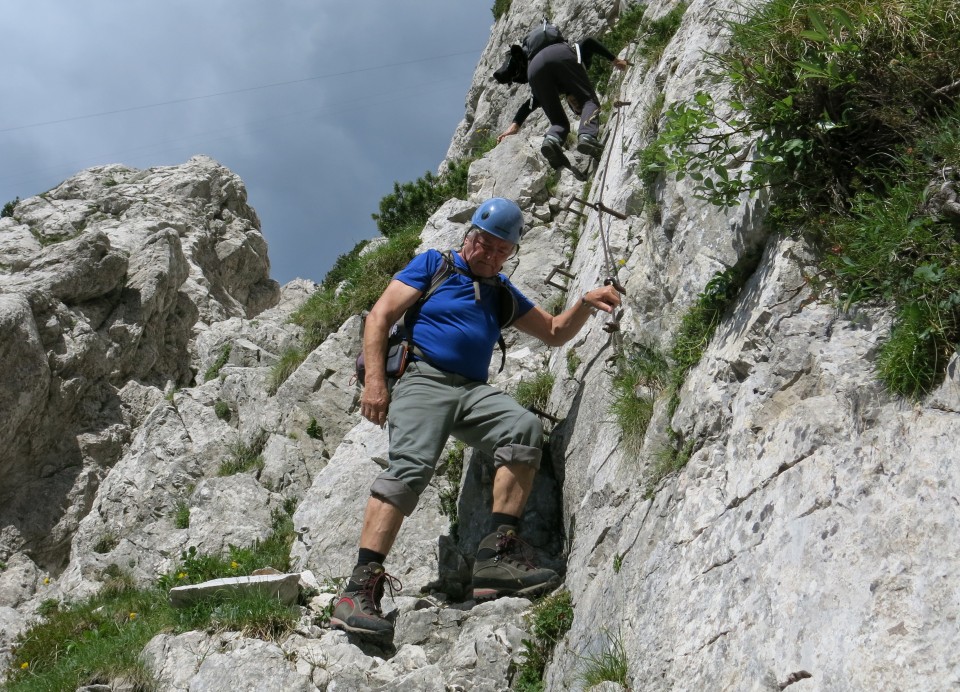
(553, 67)
(444, 392)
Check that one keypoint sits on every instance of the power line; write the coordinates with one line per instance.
(203, 138)
(235, 91)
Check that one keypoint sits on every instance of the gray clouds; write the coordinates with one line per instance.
(318, 107)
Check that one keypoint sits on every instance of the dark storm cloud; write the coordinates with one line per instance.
(318, 107)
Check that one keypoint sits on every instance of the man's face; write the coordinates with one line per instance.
(485, 253)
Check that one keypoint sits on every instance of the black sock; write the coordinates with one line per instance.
(365, 556)
(497, 520)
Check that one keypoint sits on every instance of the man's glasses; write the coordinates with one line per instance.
(492, 250)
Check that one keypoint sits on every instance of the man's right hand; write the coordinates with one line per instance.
(374, 402)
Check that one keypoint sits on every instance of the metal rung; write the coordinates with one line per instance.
(562, 272)
(543, 414)
(599, 206)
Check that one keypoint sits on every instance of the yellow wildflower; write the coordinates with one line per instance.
(182, 575)
(133, 616)
(234, 564)
(24, 665)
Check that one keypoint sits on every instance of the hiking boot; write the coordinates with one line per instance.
(501, 569)
(358, 608)
(589, 145)
(552, 150)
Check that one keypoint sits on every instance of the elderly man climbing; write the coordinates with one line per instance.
(443, 392)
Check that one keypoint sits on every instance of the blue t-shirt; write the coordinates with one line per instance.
(455, 333)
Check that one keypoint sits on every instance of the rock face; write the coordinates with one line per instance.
(807, 543)
(106, 280)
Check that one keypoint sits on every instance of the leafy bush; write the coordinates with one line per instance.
(8, 208)
(222, 410)
(631, 25)
(500, 8)
(829, 91)
(616, 39)
(852, 112)
(413, 203)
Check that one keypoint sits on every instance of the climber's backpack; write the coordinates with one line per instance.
(400, 345)
(544, 35)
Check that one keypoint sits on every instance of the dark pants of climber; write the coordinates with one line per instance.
(555, 71)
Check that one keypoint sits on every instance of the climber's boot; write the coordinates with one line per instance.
(501, 569)
(552, 150)
(589, 145)
(358, 608)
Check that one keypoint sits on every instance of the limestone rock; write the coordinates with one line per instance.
(806, 542)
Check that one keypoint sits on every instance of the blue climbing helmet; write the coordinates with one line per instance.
(501, 218)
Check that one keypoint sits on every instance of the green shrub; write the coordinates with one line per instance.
(659, 32)
(829, 91)
(548, 621)
(9, 207)
(852, 108)
(222, 410)
(181, 515)
(413, 203)
(314, 430)
(886, 249)
(214, 369)
(452, 474)
(500, 8)
(616, 39)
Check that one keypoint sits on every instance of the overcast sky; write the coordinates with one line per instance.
(317, 106)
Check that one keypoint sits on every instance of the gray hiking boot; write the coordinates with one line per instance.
(589, 145)
(358, 608)
(501, 569)
(552, 150)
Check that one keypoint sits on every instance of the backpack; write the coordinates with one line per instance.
(545, 35)
(400, 344)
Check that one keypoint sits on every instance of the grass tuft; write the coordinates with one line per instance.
(609, 665)
(98, 641)
(535, 392)
(549, 620)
